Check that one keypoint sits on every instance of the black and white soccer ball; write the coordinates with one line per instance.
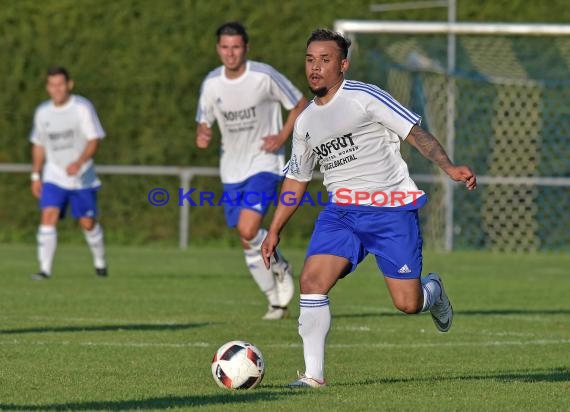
(238, 365)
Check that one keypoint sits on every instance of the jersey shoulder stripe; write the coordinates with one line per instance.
(217, 72)
(83, 101)
(385, 94)
(390, 103)
(277, 77)
(86, 104)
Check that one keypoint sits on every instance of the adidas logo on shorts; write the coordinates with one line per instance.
(404, 269)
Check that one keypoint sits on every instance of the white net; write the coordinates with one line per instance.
(511, 122)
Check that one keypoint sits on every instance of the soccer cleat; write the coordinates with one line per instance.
(275, 313)
(101, 272)
(304, 381)
(284, 281)
(441, 311)
(40, 276)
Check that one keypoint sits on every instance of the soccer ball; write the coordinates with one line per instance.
(238, 365)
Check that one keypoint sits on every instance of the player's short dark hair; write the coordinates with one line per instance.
(58, 70)
(329, 35)
(232, 28)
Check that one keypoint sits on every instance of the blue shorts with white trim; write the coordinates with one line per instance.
(83, 202)
(255, 193)
(393, 235)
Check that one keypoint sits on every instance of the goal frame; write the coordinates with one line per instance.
(451, 29)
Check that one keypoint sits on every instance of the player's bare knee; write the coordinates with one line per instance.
(247, 233)
(312, 283)
(49, 221)
(87, 224)
(409, 307)
(50, 217)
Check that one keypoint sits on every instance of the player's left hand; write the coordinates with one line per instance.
(463, 174)
(272, 143)
(73, 168)
(268, 247)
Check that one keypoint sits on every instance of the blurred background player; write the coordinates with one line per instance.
(366, 124)
(245, 98)
(65, 136)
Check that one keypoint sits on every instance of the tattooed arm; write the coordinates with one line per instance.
(432, 150)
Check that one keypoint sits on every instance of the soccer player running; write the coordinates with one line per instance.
(353, 130)
(245, 98)
(65, 136)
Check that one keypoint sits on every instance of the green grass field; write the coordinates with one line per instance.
(144, 337)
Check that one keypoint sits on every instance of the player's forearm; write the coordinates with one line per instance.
(89, 151)
(287, 129)
(38, 157)
(293, 190)
(429, 147)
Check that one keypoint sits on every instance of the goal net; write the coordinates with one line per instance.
(500, 104)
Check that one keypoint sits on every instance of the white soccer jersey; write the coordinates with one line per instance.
(64, 131)
(355, 138)
(246, 109)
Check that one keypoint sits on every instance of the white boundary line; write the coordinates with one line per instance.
(383, 345)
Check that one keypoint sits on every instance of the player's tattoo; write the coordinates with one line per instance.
(430, 148)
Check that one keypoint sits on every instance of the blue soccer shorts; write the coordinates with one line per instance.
(83, 202)
(257, 193)
(391, 234)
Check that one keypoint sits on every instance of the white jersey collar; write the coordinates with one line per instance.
(237, 79)
(322, 106)
(66, 106)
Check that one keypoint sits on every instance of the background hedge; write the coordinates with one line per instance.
(141, 62)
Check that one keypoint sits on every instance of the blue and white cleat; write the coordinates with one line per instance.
(441, 311)
(304, 381)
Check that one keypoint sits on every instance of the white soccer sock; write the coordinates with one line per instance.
(431, 291)
(47, 243)
(256, 242)
(262, 276)
(314, 326)
(94, 238)
(258, 239)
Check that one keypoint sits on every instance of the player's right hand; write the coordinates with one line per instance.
(463, 174)
(202, 141)
(268, 247)
(203, 136)
(37, 188)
